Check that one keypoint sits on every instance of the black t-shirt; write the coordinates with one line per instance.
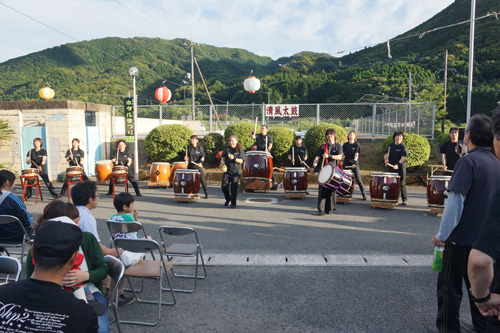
(36, 157)
(448, 148)
(298, 152)
(233, 168)
(397, 151)
(349, 150)
(476, 176)
(123, 157)
(260, 141)
(195, 154)
(335, 149)
(39, 306)
(77, 156)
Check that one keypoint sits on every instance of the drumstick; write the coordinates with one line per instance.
(293, 155)
(117, 150)
(198, 164)
(266, 143)
(392, 166)
(255, 127)
(388, 152)
(303, 162)
(73, 158)
(187, 157)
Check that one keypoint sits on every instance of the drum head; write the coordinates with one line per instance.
(385, 174)
(103, 162)
(443, 178)
(182, 163)
(160, 163)
(295, 169)
(190, 171)
(257, 153)
(325, 174)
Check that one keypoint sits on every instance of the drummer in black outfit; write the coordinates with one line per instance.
(449, 151)
(74, 157)
(122, 156)
(263, 142)
(37, 157)
(351, 151)
(395, 154)
(231, 159)
(329, 152)
(298, 153)
(195, 157)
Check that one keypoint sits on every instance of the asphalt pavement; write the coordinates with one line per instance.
(279, 267)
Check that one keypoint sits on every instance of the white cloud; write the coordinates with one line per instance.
(269, 28)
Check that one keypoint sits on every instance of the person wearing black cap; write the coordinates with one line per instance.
(298, 153)
(39, 303)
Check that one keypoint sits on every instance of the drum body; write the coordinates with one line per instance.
(186, 182)
(384, 187)
(160, 172)
(103, 169)
(120, 169)
(30, 172)
(351, 190)
(74, 170)
(175, 166)
(437, 190)
(257, 171)
(336, 180)
(295, 180)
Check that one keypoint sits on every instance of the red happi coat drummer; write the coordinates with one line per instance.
(329, 152)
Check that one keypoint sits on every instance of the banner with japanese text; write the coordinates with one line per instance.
(128, 103)
(282, 110)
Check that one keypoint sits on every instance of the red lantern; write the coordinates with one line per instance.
(252, 84)
(163, 94)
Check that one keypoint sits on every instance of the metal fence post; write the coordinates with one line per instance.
(161, 115)
(418, 120)
(374, 113)
(433, 118)
(264, 115)
(317, 114)
(210, 121)
(113, 123)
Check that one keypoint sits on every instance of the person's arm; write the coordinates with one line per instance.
(109, 252)
(269, 147)
(402, 160)
(28, 159)
(443, 157)
(44, 160)
(451, 217)
(129, 161)
(253, 136)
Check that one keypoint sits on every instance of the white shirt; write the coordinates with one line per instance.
(88, 222)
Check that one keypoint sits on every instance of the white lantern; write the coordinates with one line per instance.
(251, 84)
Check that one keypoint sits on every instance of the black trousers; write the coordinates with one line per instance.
(48, 183)
(202, 176)
(131, 179)
(402, 178)
(63, 189)
(327, 200)
(357, 176)
(230, 182)
(449, 290)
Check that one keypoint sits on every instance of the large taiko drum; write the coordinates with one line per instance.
(437, 190)
(160, 172)
(103, 169)
(384, 187)
(335, 180)
(186, 182)
(258, 164)
(30, 172)
(295, 180)
(74, 171)
(175, 167)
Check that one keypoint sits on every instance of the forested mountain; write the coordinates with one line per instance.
(97, 70)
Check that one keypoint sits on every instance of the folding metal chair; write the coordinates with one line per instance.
(7, 219)
(116, 270)
(154, 269)
(183, 250)
(10, 266)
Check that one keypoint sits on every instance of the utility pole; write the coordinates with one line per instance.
(191, 45)
(409, 96)
(445, 87)
(268, 97)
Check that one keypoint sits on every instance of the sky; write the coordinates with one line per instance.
(273, 28)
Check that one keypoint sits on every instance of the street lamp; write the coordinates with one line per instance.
(134, 72)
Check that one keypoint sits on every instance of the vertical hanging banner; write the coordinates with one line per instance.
(128, 103)
(282, 110)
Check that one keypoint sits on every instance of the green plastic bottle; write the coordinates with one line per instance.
(437, 264)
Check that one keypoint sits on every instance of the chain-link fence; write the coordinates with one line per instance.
(368, 119)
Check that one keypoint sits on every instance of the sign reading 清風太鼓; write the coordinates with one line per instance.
(282, 110)
(128, 103)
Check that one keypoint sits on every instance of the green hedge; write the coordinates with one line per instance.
(243, 132)
(283, 139)
(315, 137)
(212, 143)
(418, 149)
(167, 143)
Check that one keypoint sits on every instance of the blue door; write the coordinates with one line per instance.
(28, 135)
(93, 152)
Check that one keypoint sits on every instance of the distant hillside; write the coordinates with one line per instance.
(79, 71)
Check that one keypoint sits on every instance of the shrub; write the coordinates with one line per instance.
(212, 143)
(418, 149)
(283, 139)
(166, 142)
(315, 137)
(243, 132)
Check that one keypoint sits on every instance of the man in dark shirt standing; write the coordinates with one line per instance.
(123, 157)
(395, 155)
(263, 141)
(449, 152)
(40, 304)
(475, 179)
(195, 158)
(329, 152)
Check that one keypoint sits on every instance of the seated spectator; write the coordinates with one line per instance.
(12, 205)
(125, 212)
(39, 304)
(92, 269)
